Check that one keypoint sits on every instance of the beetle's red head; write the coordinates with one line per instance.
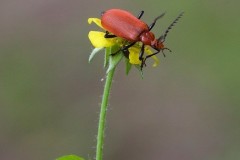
(148, 38)
(158, 45)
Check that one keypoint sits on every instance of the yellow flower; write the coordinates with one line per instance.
(134, 55)
(99, 41)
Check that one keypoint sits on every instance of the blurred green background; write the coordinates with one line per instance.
(188, 108)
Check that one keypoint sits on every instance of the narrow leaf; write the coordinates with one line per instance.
(107, 55)
(140, 70)
(128, 65)
(93, 53)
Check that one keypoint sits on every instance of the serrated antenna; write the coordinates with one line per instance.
(163, 37)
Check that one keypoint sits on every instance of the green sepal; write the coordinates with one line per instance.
(70, 157)
(93, 53)
(140, 70)
(128, 66)
(113, 60)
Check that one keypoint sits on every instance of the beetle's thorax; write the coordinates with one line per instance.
(147, 38)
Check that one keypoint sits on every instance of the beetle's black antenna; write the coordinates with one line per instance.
(155, 20)
(140, 14)
(163, 37)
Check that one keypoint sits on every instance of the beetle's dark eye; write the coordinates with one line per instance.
(102, 13)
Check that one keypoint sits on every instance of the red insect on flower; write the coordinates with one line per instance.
(120, 23)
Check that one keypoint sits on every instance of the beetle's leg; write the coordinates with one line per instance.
(108, 35)
(148, 56)
(124, 48)
(141, 52)
(141, 56)
(126, 53)
(140, 14)
(155, 20)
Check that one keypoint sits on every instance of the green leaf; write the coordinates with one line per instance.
(128, 65)
(70, 157)
(113, 60)
(93, 53)
(106, 58)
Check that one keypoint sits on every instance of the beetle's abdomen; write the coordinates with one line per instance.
(123, 24)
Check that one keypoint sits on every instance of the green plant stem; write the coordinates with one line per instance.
(102, 118)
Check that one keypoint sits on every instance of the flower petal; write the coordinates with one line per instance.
(97, 39)
(96, 21)
(134, 55)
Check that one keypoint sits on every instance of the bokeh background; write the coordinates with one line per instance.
(187, 108)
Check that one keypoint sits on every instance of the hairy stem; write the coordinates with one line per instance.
(102, 118)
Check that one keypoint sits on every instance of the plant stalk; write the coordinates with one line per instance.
(102, 117)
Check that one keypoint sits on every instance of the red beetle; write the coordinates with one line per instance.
(121, 23)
